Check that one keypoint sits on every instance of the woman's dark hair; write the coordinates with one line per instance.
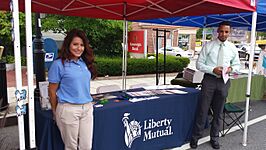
(87, 54)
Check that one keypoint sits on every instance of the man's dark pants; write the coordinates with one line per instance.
(213, 94)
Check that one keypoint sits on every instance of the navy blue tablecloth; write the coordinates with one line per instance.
(152, 124)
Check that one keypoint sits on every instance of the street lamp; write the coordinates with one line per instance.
(38, 55)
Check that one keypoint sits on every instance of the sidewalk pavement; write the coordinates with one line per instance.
(149, 79)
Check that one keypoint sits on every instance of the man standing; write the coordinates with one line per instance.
(217, 57)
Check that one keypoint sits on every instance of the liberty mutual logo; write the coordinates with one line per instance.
(132, 130)
(152, 129)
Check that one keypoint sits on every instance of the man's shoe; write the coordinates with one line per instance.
(215, 144)
(193, 143)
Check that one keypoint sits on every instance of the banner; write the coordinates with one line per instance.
(136, 42)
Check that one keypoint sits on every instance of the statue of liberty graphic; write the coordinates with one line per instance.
(132, 130)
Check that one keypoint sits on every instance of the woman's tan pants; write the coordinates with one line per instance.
(75, 123)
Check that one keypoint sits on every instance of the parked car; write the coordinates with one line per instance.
(175, 51)
(246, 49)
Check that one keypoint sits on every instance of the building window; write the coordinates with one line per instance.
(183, 41)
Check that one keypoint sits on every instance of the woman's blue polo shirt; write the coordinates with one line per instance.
(74, 81)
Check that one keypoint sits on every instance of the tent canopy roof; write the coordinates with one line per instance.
(236, 19)
(135, 9)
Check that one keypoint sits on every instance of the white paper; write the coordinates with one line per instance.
(44, 97)
(244, 71)
(176, 92)
(175, 86)
(162, 87)
(133, 100)
(225, 75)
(98, 105)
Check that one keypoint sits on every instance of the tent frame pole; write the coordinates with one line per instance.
(125, 47)
(252, 45)
(30, 73)
(15, 13)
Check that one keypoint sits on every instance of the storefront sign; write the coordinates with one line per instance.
(136, 42)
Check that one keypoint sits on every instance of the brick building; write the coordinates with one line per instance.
(184, 37)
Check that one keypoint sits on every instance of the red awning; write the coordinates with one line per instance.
(135, 9)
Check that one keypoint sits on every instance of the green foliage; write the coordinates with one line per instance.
(108, 66)
(113, 66)
(6, 28)
(262, 34)
(105, 36)
(9, 59)
(199, 34)
(23, 61)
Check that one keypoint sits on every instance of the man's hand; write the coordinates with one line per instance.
(218, 70)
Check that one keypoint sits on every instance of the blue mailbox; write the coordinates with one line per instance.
(51, 50)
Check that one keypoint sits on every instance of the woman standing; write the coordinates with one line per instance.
(261, 67)
(69, 90)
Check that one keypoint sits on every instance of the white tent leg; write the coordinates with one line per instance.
(252, 45)
(30, 73)
(125, 47)
(124, 63)
(16, 36)
(123, 59)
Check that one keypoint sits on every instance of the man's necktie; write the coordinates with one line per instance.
(220, 55)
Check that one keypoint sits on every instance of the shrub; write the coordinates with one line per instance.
(23, 61)
(108, 66)
(9, 59)
(113, 66)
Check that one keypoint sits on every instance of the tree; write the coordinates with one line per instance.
(6, 27)
(199, 34)
(105, 36)
(261, 34)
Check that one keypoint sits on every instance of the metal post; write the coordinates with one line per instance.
(14, 6)
(251, 57)
(124, 61)
(39, 54)
(157, 60)
(164, 58)
(31, 112)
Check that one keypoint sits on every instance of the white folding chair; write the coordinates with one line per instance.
(107, 88)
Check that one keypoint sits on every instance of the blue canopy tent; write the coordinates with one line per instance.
(255, 21)
(236, 19)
